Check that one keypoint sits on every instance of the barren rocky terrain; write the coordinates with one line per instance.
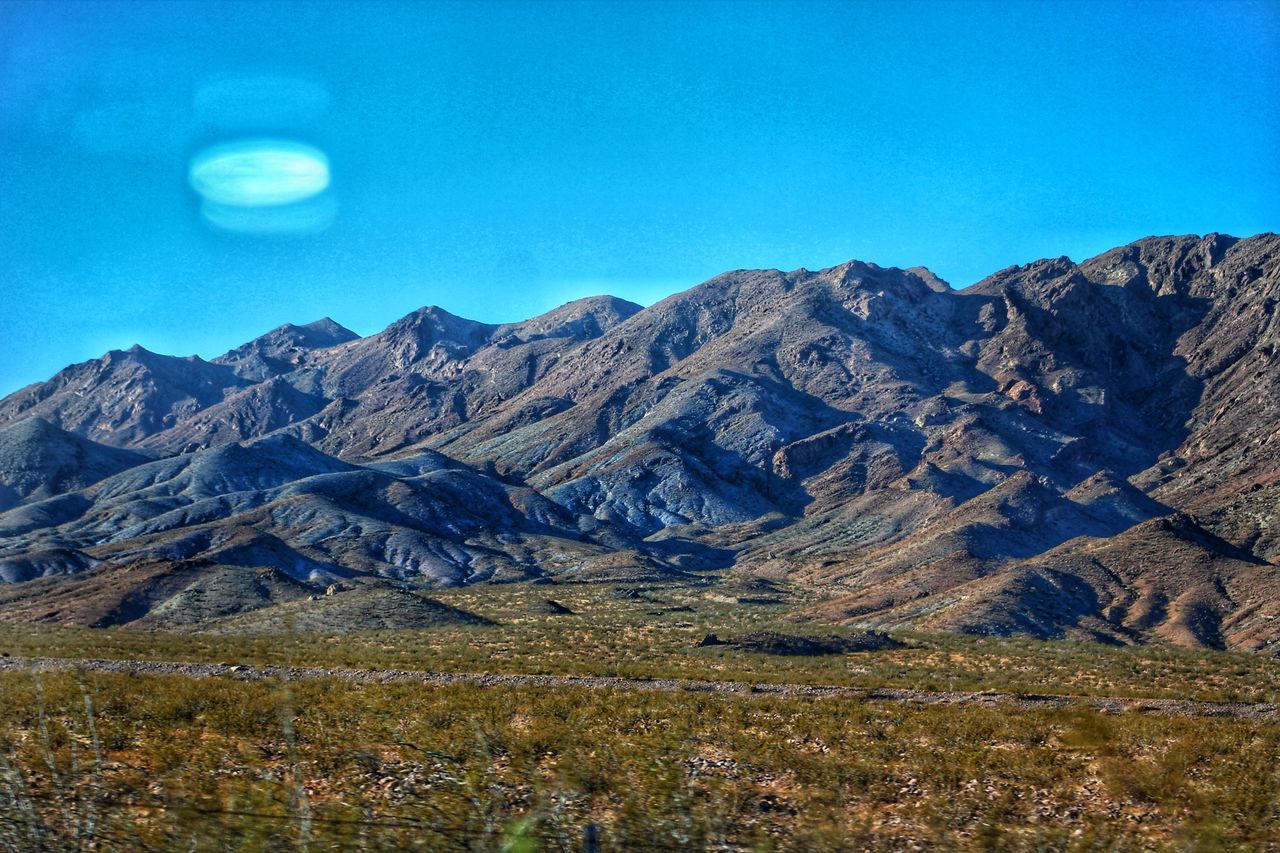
(1087, 450)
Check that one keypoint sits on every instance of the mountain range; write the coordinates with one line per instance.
(1087, 450)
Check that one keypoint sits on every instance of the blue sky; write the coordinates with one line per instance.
(498, 159)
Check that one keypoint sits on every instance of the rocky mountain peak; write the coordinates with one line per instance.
(283, 349)
(581, 319)
(998, 458)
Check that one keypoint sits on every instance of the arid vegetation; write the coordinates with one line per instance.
(110, 761)
(169, 762)
(654, 632)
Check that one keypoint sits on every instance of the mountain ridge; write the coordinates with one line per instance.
(867, 431)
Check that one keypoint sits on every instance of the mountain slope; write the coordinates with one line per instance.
(124, 396)
(38, 460)
(1165, 579)
(999, 458)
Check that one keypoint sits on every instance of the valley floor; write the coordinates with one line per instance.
(653, 631)
(537, 735)
(984, 698)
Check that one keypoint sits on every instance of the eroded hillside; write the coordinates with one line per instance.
(1085, 449)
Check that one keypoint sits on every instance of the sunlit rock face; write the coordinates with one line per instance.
(265, 186)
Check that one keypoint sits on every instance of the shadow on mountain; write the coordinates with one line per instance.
(926, 457)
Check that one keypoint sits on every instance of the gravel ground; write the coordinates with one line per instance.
(1168, 707)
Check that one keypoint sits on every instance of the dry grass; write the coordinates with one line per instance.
(98, 761)
(221, 764)
(655, 636)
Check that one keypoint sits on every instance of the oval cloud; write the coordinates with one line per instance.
(259, 173)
